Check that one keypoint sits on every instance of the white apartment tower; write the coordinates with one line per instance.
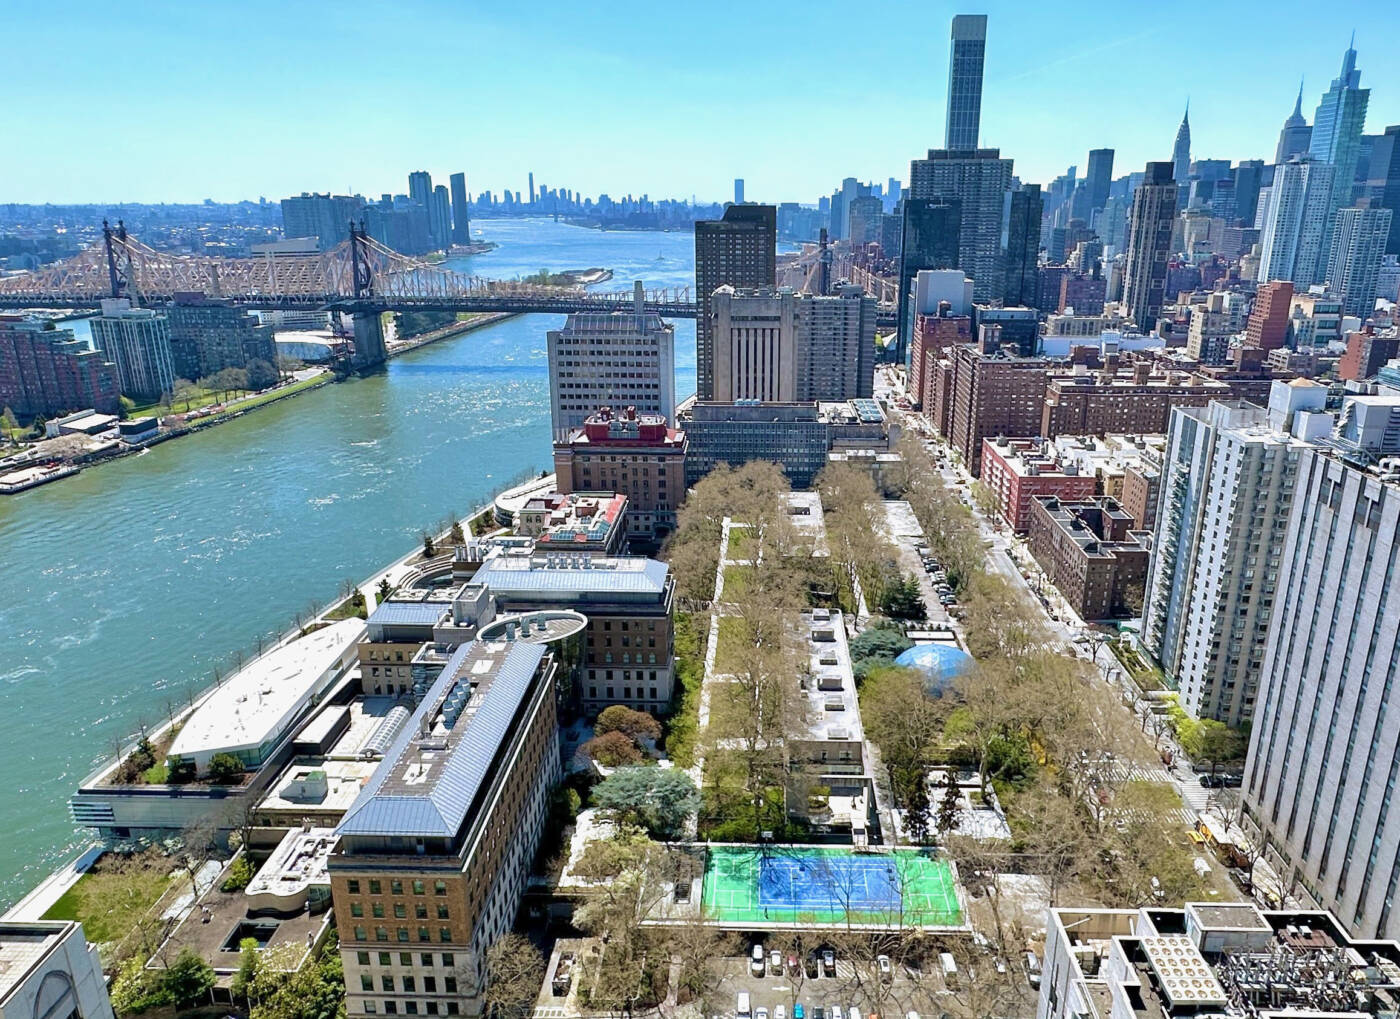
(1225, 494)
(1354, 263)
(137, 340)
(611, 359)
(1293, 242)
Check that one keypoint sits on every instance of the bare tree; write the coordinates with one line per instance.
(515, 969)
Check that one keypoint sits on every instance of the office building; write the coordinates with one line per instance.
(1296, 135)
(1213, 323)
(1314, 318)
(628, 651)
(440, 218)
(1267, 328)
(137, 341)
(49, 971)
(610, 359)
(207, 336)
(1336, 132)
(1091, 553)
(781, 346)
(634, 454)
(930, 232)
(1293, 243)
(1226, 492)
(1097, 178)
(325, 217)
(1211, 959)
(432, 858)
(795, 436)
(978, 180)
(1366, 354)
(1022, 250)
(1149, 243)
(1083, 294)
(44, 372)
(738, 190)
(1383, 182)
(864, 218)
(966, 52)
(1323, 754)
(1181, 151)
(461, 215)
(1359, 238)
(738, 251)
(1016, 471)
(420, 188)
(1248, 177)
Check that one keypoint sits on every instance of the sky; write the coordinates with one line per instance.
(154, 101)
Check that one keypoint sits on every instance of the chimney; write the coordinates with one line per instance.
(639, 299)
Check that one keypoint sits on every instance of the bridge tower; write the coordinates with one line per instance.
(370, 351)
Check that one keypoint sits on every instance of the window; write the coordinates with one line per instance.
(452, 1008)
(411, 1007)
(405, 958)
(366, 982)
(431, 1007)
(377, 908)
(374, 888)
(353, 886)
(423, 934)
(396, 887)
(403, 933)
(400, 912)
(448, 959)
(409, 985)
(421, 911)
(430, 985)
(357, 909)
(362, 958)
(442, 911)
(449, 984)
(384, 958)
(426, 958)
(418, 888)
(387, 982)
(391, 1008)
(445, 934)
(369, 1008)
(439, 887)
(381, 934)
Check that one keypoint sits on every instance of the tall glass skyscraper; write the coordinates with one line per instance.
(1337, 126)
(965, 58)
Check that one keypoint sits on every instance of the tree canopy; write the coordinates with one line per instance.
(657, 799)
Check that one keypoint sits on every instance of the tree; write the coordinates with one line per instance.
(261, 375)
(455, 535)
(635, 725)
(248, 966)
(225, 769)
(879, 642)
(612, 750)
(902, 599)
(949, 806)
(429, 549)
(189, 980)
(903, 721)
(385, 589)
(184, 391)
(916, 809)
(658, 799)
(514, 971)
(8, 423)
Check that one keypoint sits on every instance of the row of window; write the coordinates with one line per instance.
(396, 887)
(411, 1008)
(420, 910)
(402, 934)
(408, 983)
(642, 693)
(406, 959)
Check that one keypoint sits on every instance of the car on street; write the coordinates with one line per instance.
(779, 1012)
(760, 1013)
(756, 961)
(797, 1012)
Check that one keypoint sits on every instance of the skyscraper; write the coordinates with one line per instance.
(420, 188)
(863, 220)
(738, 190)
(326, 217)
(1149, 242)
(928, 240)
(1383, 182)
(461, 216)
(1249, 173)
(1293, 244)
(1293, 140)
(1020, 275)
(1097, 178)
(440, 218)
(739, 250)
(966, 53)
(1354, 262)
(1181, 149)
(1337, 126)
(137, 341)
(532, 187)
(979, 181)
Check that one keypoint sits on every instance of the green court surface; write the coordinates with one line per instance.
(820, 885)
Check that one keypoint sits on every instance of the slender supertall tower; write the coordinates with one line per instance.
(965, 58)
(1296, 134)
(1337, 127)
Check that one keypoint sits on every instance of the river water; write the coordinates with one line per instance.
(124, 588)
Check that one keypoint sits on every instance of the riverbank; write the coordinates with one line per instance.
(459, 328)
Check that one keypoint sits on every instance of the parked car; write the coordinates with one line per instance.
(779, 1012)
(886, 970)
(756, 961)
(828, 962)
(797, 1012)
(760, 1013)
(775, 963)
(792, 963)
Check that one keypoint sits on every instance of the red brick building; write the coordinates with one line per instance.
(1366, 354)
(1268, 319)
(636, 455)
(991, 393)
(1131, 402)
(1089, 553)
(933, 334)
(1018, 470)
(47, 372)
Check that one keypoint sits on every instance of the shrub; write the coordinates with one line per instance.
(240, 874)
(636, 725)
(225, 769)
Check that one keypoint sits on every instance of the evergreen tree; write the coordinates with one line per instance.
(949, 806)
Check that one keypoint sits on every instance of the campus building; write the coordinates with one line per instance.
(594, 523)
(739, 250)
(432, 858)
(49, 971)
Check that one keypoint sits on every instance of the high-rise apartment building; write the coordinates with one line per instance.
(991, 393)
(1149, 243)
(1358, 248)
(1366, 354)
(929, 240)
(461, 215)
(781, 346)
(137, 341)
(1337, 127)
(610, 359)
(433, 856)
(207, 336)
(420, 188)
(738, 251)
(1323, 759)
(966, 53)
(978, 181)
(1293, 244)
(1226, 491)
(1296, 135)
(440, 218)
(326, 217)
(47, 372)
(1267, 328)
(1213, 323)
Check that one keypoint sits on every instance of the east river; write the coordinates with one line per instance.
(124, 588)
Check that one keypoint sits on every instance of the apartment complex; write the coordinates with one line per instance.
(1366, 354)
(780, 346)
(1267, 328)
(432, 857)
(48, 371)
(978, 181)
(1214, 322)
(989, 393)
(739, 250)
(207, 336)
(1136, 401)
(137, 341)
(1017, 471)
(1226, 491)
(610, 359)
(1323, 758)
(1149, 242)
(633, 454)
(1091, 551)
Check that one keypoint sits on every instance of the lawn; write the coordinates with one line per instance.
(736, 582)
(351, 608)
(267, 397)
(1146, 676)
(111, 897)
(732, 644)
(739, 542)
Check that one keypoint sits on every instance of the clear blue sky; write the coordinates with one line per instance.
(148, 101)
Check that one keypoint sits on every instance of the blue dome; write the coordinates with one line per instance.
(939, 663)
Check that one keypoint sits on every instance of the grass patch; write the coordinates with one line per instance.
(114, 895)
(736, 582)
(731, 645)
(351, 608)
(264, 398)
(1148, 677)
(740, 543)
(683, 723)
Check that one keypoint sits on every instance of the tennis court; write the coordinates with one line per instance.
(820, 885)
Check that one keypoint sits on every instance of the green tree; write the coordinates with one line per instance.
(455, 535)
(184, 391)
(902, 599)
(240, 874)
(248, 961)
(657, 799)
(385, 589)
(949, 805)
(429, 549)
(225, 769)
(189, 979)
(879, 642)
(916, 809)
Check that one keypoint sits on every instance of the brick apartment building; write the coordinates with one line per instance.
(47, 372)
(933, 335)
(1019, 470)
(1091, 554)
(992, 393)
(1366, 354)
(1135, 401)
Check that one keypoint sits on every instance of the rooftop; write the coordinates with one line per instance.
(326, 785)
(436, 766)
(23, 946)
(558, 521)
(562, 577)
(298, 862)
(833, 711)
(261, 700)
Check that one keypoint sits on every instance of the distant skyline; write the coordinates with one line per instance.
(175, 102)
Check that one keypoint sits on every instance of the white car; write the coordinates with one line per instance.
(760, 1013)
(756, 961)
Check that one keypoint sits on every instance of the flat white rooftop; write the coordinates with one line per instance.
(262, 700)
(22, 947)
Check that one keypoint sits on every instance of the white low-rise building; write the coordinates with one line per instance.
(49, 971)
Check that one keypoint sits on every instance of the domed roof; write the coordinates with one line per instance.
(939, 663)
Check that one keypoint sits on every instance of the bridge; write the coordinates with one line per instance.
(360, 277)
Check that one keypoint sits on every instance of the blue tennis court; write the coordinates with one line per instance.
(828, 882)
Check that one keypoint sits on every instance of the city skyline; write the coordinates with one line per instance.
(211, 138)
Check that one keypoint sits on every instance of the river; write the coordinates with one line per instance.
(124, 588)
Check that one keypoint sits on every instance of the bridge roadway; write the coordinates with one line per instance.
(521, 304)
